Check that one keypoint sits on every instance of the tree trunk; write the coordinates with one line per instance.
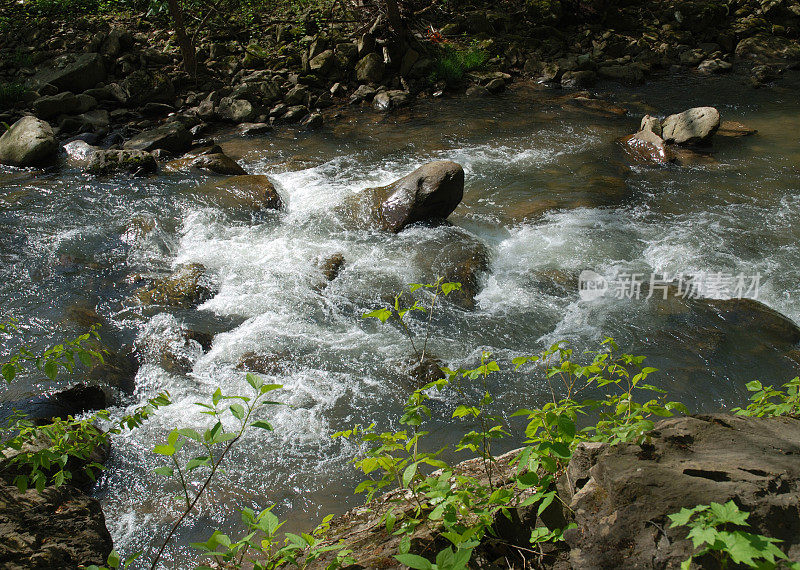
(395, 20)
(186, 45)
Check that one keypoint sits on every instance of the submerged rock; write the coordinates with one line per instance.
(646, 146)
(431, 192)
(250, 191)
(187, 287)
(58, 528)
(693, 126)
(29, 142)
(331, 266)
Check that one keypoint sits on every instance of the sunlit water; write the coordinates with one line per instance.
(547, 192)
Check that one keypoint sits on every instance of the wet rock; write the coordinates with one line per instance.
(54, 105)
(693, 126)
(29, 142)
(312, 122)
(167, 344)
(276, 363)
(733, 129)
(250, 191)
(73, 72)
(578, 79)
(118, 371)
(254, 128)
(476, 91)
(622, 500)
(187, 287)
(331, 266)
(370, 69)
(295, 114)
(172, 137)
(710, 66)
(647, 147)
(426, 370)
(431, 192)
(70, 402)
(136, 162)
(59, 528)
(386, 100)
(363, 93)
(756, 317)
(457, 257)
(631, 74)
(595, 106)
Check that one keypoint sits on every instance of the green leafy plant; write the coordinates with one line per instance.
(397, 312)
(63, 356)
(713, 531)
(54, 453)
(767, 401)
(212, 446)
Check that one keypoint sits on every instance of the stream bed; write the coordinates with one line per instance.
(548, 193)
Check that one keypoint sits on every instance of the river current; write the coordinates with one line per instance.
(548, 192)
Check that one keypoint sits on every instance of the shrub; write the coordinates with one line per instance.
(453, 62)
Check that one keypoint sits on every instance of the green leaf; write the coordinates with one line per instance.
(381, 314)
(9, 372)
(164, 450)
(238, 411)
(263, 425)
(164, 471)
(51, 369)
(414, 561)
(409, 473)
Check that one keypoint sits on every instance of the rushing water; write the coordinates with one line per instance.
(547, 191)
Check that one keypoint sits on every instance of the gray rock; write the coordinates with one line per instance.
(431, 192)
(386, 100)
(631, 74)
(370, 69)
(363, 93)
(73, 72)
(136, 162)
(323, 63)
(29, 142)
(693, 126)
(247, 192)
(769, 49)
(254, 128)
(236, 110)
(621, 502)
(710, 66)
(651, 124)
(312, 122)
(58, 528)
(172, 137)
(295, 113)
(477, 91)
(62, 104)
(297, 95)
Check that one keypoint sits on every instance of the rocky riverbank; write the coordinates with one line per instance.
(118, 79)
(618, 497)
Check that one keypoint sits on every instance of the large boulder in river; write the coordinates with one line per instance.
(136, 162)
(620, 495)
(647, 147)
(431, 192)
(172, 137)
(210, 159)
(58, 528)
(248, 191)
(29, 142)
(694, 126)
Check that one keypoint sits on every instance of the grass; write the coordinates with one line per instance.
(10, 93)
(454, 62)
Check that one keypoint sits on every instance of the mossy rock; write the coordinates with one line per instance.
(186, 288)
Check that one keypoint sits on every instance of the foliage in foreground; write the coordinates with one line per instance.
(461, 508)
